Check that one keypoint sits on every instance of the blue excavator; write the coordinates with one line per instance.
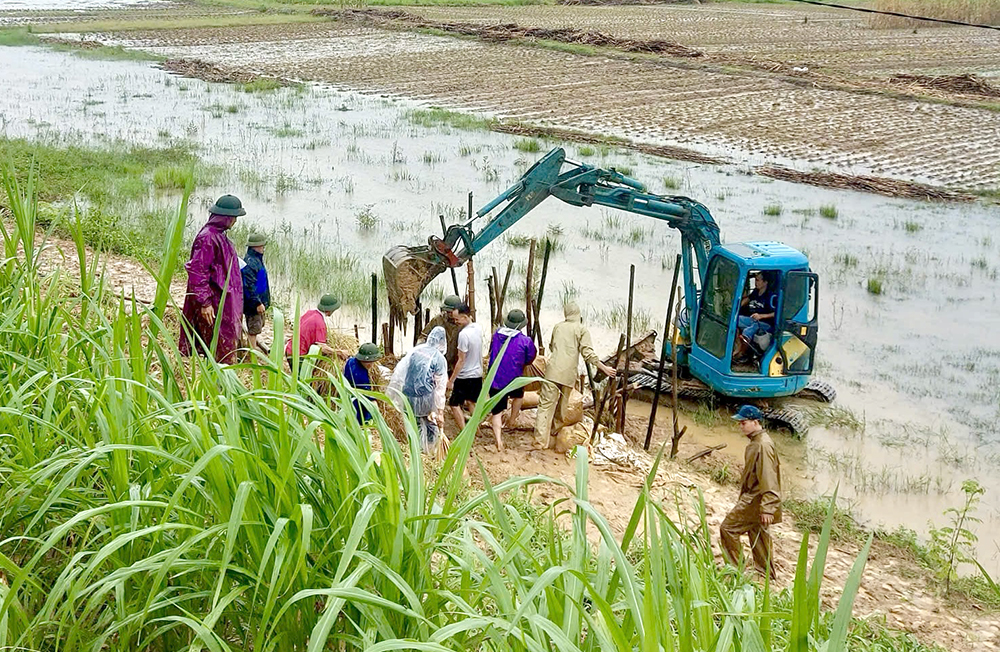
(716, 280)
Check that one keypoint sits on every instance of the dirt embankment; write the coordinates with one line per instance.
(864, 183)
(499, 33)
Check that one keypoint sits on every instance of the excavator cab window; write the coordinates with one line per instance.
(714, 316)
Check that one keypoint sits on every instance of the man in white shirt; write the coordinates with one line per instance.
(466, 381)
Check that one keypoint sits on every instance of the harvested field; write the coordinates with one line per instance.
(878, 185)
(722, 113)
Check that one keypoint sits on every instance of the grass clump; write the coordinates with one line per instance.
(366, 218)
(518, 240)
(435, 117)
(773, 210)
(671, 182)
(911, 226)
(17, 36)
(846, 259)
(260, 85)
(527, 145)
(585, 150)
(829, 211)
(874, 286)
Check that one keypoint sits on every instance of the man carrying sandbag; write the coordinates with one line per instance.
(570, 339)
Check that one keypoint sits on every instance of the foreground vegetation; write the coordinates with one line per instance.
(156, 503)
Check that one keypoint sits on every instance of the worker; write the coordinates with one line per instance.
(446, 319)
(357, 372)
(759, 504)
(421, 378)
(466, 380)
(519, 353)
(214, 287)
(570, 339)
(256, 289)
(757, 311)
(312, 330)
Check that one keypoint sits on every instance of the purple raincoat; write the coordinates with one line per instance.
(520, 353)
(213, 267)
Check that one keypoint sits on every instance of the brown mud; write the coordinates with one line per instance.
(210, 72)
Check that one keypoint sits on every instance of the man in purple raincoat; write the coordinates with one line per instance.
(519, 353)
(213, 270)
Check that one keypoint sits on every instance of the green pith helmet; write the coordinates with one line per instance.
(515, 319)
(368, 352)
(328, 303)
(256, 240)
(228, 205)
(451, 302)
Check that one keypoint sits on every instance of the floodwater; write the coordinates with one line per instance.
(72, 5)
(916, 367)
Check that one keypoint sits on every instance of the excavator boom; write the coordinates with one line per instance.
(408, 270)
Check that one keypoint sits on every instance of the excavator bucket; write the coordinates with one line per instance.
(407, 271)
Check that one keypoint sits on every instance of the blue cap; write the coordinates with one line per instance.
(748, 413)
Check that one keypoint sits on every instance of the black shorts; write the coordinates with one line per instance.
(465, 389)
(255, 323)
(502, 405)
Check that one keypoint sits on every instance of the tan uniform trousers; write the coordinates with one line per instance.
(745, 519)
(553, 399)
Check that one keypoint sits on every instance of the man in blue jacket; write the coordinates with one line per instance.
(256, 289)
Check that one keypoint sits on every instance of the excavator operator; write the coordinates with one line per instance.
(757, 310)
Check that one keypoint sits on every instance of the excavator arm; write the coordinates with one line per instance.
(408, 270)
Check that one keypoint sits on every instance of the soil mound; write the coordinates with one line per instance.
(965, 84)
(501, 32)
(210, 72)
(879, 185)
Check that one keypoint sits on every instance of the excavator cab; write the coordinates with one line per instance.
(786, 342)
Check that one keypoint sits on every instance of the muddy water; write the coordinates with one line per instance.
(48, 5)
(916, 366)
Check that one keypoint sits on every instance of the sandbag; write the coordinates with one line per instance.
(529, 401)
(575, 435)
(535, 370)
(573, 414)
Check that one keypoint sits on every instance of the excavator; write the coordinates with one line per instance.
(714, 279)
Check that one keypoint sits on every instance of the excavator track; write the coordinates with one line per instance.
(778, 412)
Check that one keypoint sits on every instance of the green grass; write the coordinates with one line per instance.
(585, 150)
(773, 210)
(874, 286)
(262, 85)
(911, 226)
(829, 211)
(152, 502)
(18, 36)
(671, 182)
(527, 145)
(435, 117)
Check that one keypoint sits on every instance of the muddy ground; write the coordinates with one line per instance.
(778, 84)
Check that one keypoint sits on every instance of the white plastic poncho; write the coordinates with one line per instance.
(422, 376)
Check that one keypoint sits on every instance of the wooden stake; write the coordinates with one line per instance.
(502, 297)
(663, 353)
(374, 308)
(493, 304)
(527, 289)
(454, 276)
(392, 334)
(676, 439)
(386, 342)
(495, 287)
(538, 301)
(471, 289)
(418, 326)
(628, 339)
(357, 333)
(608, 389)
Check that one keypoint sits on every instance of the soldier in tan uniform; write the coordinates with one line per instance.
(446, 320)
(570, 339)
(760, 496)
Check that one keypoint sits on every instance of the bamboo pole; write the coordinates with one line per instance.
(676, 439)
(663, 354)
(386, 342)
(418, 326)
(493, 304)
(495, 287)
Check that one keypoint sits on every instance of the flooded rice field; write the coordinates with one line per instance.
(915, 363)
(745, 115)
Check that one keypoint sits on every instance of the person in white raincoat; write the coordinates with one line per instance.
(422, 377)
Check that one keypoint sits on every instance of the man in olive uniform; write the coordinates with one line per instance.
(447, 320)
(760, 496)
(570, 339)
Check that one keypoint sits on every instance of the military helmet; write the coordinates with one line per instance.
(328, 303)
(228, 205)
(368, 352)
(451, 302)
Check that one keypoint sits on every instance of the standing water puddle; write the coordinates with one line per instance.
(916, 368)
